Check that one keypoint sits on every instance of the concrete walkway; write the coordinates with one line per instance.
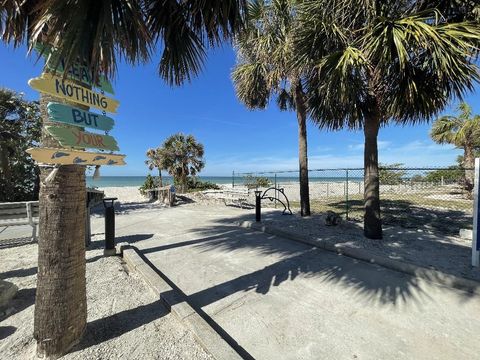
(279, 299)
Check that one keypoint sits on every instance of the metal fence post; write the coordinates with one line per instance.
(346, 195)
(233, 179)
(476, 217)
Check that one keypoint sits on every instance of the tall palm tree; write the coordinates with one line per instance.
(463, 131)
(156, 159)
(182, 157)
(379, 62)
(99, 32)
(262, 71)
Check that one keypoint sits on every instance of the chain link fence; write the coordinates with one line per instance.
(433, 199)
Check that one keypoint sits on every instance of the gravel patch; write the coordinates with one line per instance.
(125, 319)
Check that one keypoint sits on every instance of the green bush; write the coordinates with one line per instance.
(452, 174)
(194, 184)
(417, 178)
(391, 174)
(151, 182)
(253, 182)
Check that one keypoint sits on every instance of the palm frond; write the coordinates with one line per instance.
(251, 85)
(337, 89)
(100, 33)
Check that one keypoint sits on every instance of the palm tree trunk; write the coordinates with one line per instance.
(60, 303)
(160, 176)
(372, 220)
(469, 163)
(302, 150)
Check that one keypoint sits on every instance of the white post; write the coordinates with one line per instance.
(476, 216)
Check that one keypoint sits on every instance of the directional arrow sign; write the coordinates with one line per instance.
(69, 115)
(76, 71)
(76, 138)
(66, 89)
(74, 157)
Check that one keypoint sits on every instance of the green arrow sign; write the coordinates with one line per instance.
(76, 138)
(77, 71)
(73, 116)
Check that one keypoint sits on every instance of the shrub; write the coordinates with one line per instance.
(194, 184)
(253, 182)
(151, 182)
(452, 174)
(391, 174)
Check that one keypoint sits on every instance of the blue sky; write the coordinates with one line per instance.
(234, 137)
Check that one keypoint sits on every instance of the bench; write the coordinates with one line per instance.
(237, 196)
(20, 213)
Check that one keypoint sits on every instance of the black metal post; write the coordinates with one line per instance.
(233, 179)
(258, 205)
(108, 203)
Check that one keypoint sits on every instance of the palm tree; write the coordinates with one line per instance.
(99, 32)
(182, 157)
(463, 131)
(156, 160)
(377, 62)
(262, 71)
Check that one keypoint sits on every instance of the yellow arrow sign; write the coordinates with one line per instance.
(66, 89)
(75, 157)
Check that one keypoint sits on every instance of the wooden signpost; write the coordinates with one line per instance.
(77, 71)
(68, 90)
(73, 138)
(74, 157)
(69, 115)
(76, 138)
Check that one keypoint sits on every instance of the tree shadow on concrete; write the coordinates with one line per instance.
(115, 325)
(131, 239)
(292, 260)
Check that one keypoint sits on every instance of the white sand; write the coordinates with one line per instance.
(125, 319)
(125, 194)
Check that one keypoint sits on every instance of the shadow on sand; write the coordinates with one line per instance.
(115, 325)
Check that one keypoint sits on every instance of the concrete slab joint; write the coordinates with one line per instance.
(210, 340)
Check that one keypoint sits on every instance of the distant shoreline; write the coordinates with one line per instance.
(127, 181)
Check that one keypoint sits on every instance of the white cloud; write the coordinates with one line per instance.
(412, 154)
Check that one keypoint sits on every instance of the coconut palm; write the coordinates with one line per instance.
(98, 33)
(463, 131)
(182, 157)
(380, 62)
(262, 71)
(156, 160)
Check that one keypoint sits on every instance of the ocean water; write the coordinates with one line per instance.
(107, 181)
